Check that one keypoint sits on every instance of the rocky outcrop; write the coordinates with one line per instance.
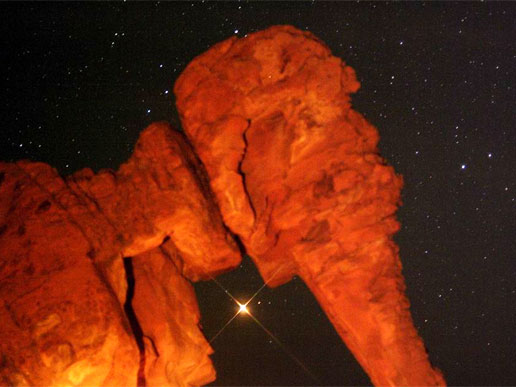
(297, 175)
(95, 268)
(64, 285)
(166, 307)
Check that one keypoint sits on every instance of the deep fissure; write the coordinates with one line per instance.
(133, 320)
(240, 170)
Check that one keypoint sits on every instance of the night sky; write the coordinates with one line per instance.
(81, 80)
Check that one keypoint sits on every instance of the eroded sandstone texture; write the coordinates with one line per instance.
(297, 176)
(63, 282)
(165, 304)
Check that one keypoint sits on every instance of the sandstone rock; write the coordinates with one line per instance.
(166, 306)
(61, 323)
(94, 267)
(297, 176)
(62, 277)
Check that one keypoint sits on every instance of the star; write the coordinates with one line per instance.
(243, 308)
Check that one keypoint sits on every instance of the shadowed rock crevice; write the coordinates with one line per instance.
(240, 170)
(133, 320)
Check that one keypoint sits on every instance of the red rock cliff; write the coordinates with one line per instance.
(297, 176)
(63, 285)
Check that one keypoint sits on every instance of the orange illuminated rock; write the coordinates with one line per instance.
(297, 176)
(63, 284)
(165, 303)
(94, 267)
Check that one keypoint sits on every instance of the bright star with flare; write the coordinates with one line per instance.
(243, 308)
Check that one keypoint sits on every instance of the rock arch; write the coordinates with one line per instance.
(295, 173)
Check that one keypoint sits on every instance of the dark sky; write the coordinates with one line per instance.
(81, 80)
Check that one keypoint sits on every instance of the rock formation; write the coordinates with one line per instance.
(62, 280)
(298, 178)
(95, 268)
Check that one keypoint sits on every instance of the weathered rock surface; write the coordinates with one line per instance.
(62, 279)
(297, 176)
(165, 303)
(94, 267)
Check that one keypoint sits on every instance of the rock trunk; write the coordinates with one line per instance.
(298, 176)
